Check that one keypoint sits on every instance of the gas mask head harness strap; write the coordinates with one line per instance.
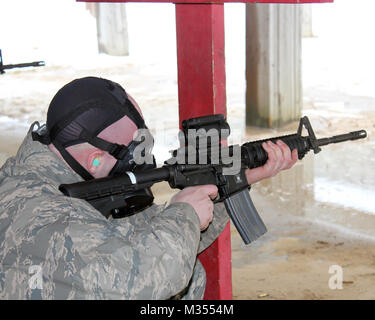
(80, 111)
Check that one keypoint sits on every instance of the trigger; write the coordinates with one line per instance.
(217, 199)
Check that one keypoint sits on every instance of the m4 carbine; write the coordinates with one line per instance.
(117, 195)
(18, 65)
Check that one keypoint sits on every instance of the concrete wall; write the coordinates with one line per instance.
(273, 64)
(112, 28)
(307, 31)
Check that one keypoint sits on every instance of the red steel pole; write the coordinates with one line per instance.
(201, 91)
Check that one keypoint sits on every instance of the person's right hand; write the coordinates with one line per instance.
(200, 198)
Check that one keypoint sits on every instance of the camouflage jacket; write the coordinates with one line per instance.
(56, 247)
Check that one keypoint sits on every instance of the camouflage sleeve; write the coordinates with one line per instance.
(217, 225)
(139, 257)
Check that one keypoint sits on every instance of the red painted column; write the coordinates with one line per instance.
(201, 90)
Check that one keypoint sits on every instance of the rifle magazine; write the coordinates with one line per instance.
(244, 216)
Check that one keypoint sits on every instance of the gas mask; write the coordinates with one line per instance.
(78, 113)
(135, 161)
(138, 156)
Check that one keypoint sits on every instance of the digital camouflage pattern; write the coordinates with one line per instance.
(56, 247)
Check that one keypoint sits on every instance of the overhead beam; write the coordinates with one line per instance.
(214, 2)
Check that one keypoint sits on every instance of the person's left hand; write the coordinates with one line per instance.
(279, 158)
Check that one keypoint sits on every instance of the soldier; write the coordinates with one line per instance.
(56, 247)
